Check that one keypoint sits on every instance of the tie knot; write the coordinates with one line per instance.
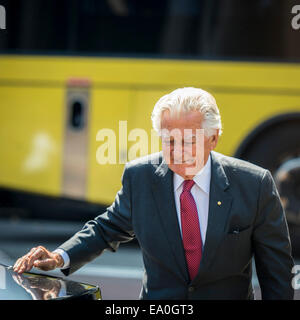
(187, 185)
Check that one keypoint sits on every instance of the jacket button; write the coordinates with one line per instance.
(192, 289)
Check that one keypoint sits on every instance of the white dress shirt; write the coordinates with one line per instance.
(65, 258)
(200, 192)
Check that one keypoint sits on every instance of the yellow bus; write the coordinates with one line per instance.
(71, 68)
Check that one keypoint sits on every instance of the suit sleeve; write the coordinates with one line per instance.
(272, 247)
(106, 231)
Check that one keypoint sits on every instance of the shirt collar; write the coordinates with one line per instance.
(202, 178)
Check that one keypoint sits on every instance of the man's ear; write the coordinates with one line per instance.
(214, 139)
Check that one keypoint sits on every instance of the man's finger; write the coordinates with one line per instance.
(20, 264)
(31, 252)
(26, 259)
(20, 261)
(17, 264)
(46, 264)
(38, 254)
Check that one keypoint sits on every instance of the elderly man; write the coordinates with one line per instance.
(199, 216)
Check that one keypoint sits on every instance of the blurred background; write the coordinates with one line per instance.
(70, 68)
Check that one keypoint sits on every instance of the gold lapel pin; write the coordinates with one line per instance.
(219, 203)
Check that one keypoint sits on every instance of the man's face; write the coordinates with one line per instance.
(184, 145)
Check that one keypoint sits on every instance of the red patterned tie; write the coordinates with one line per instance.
(191, 235)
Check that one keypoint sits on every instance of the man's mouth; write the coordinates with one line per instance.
(180, 161)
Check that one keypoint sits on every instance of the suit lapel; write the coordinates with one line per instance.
(219, 208)
(163, 192)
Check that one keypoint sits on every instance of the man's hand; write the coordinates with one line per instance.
(38, 257)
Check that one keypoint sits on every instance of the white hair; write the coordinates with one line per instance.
(188, 99)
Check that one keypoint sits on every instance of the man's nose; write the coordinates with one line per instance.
(181, 154)
(178, 156)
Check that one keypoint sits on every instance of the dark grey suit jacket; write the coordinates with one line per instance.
(250, 221)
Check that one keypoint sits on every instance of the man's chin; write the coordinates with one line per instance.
(185, 170)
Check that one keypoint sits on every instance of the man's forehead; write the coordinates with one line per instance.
(182, 133)
(184, 120)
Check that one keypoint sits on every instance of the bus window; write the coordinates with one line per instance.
(77, 115)
(210, 29)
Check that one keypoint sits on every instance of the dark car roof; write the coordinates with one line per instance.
(34, 286)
